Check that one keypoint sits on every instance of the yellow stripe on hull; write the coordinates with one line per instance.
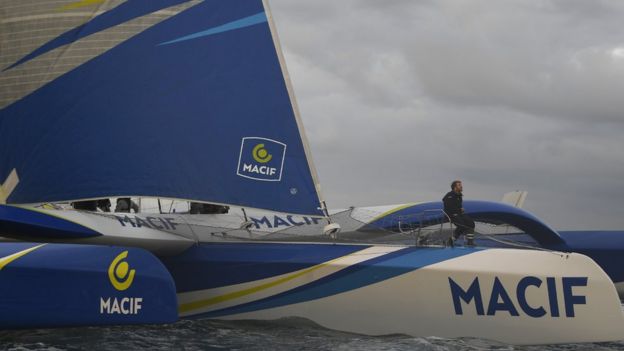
(8, 259)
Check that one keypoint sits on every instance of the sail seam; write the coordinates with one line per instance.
(71, 14)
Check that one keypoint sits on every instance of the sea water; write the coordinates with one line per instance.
(286, 334)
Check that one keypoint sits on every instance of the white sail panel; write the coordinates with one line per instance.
(27, 25)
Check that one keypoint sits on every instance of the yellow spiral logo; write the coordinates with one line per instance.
(119, 272)
(260, 154)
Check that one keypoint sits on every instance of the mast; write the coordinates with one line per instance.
(293, 100)
(331, 228)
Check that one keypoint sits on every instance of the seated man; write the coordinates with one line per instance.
(453, 206)
(124, 204)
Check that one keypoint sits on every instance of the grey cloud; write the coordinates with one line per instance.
(538, 59)
(400, 97)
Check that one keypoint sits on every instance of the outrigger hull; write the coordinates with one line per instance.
(63, 285)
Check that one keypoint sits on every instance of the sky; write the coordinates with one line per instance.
(400, 97)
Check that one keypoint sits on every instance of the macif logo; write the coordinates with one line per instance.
(119, 272)
(261, 159)
(121, 277)
(501, 301)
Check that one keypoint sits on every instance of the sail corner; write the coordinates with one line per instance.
(8, 186)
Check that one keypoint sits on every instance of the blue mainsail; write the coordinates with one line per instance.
(195, 107)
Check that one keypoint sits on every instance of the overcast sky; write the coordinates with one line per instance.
(400, 97)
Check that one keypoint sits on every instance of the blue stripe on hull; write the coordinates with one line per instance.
(351, 278)
(209, 266)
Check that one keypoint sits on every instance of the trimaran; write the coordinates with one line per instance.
(190, 99)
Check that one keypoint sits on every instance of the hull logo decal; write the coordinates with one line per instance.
(119, 272)
(121, 277)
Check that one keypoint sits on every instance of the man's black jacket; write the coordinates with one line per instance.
(453, 203)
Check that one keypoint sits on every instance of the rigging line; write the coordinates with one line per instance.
(509, 243)
(382, 236)
(325, 212)
(191, 228)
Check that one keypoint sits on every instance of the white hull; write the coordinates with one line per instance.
(421, 303)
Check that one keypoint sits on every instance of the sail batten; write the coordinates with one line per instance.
(209, 118)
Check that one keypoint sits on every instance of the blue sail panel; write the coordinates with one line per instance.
(196, 107)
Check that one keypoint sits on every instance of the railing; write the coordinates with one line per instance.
(422, 227)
